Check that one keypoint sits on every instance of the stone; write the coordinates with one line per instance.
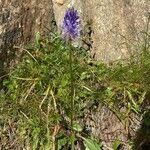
(107, 126)
(116, 26)
(19, 21)
(61, 2)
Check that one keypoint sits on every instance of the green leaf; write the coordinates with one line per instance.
(62, 142)
(142, 98)
(77, 127)
(64, 81)
(134, 106)
(116, 144)
(37, 39)
(91, 145)
(84, 76)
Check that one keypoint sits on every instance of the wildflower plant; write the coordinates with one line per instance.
(71, 31)
(71, 24)
(35, 102)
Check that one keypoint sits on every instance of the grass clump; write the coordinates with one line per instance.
(35, 101)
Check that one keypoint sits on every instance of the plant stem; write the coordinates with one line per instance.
(71, 97)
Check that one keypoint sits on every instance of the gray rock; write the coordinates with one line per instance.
(117, 26)
(107, 125)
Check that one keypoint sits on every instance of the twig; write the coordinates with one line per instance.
(26, 79)
(56, 130)
(24, 115)
(29, 91)
(26, 51)
(54, 100)
(46, 94)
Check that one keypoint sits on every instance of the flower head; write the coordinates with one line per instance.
(71, 24)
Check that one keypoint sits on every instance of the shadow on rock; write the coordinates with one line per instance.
(7, 52)
(142, 140)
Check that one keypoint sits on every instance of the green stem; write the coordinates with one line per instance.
(71, 98)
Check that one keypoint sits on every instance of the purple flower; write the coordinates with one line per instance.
(71, 24)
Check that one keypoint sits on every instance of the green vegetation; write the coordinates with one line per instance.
(35, 104)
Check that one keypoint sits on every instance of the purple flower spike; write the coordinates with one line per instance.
(71, 24)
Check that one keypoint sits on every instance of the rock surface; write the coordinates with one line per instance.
(106, 125)
(19, 21)
(117, 26)
(112, 29)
